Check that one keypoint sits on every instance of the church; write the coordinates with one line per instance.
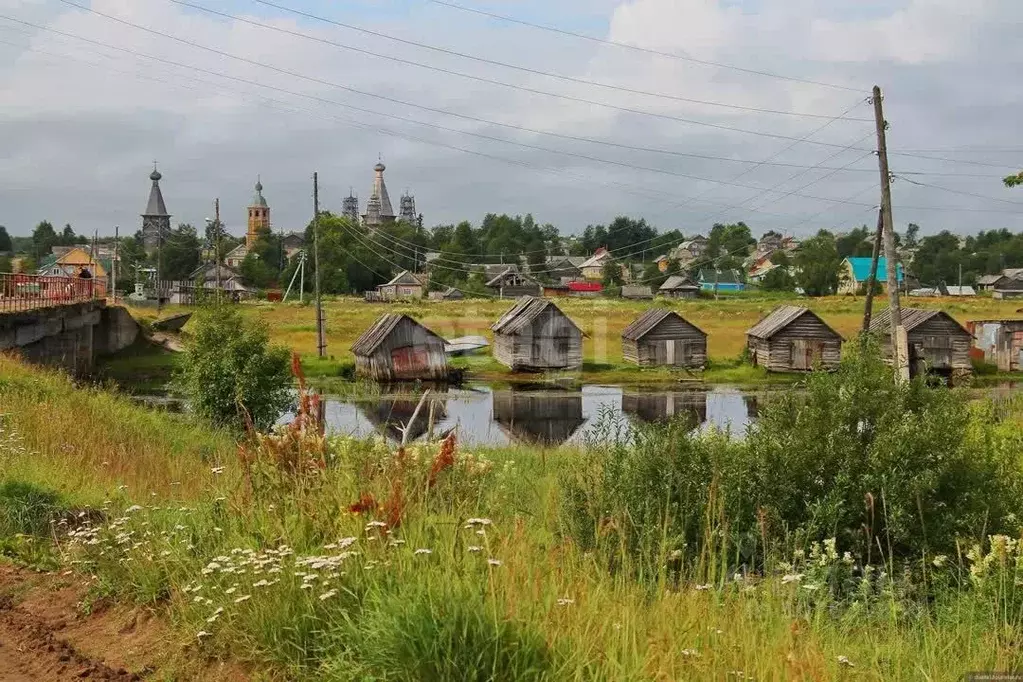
(379, 210)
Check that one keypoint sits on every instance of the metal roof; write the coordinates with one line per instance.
(781, 317)
(385, 324)
(155, 207)
(911, 319)
(527, 309)
(405, 277)
(650, 319)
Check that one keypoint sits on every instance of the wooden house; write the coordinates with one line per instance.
(397, 348)
(663, 337)
(936, 342)
(677, 286)
(793, 339)
(637, 292)
(403, 285)
(535, 336)
(448, 294)
(512, 283)
(999, 342)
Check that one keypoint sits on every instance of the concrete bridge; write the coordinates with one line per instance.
(60, 321)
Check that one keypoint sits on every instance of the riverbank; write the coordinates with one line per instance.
(341, 559)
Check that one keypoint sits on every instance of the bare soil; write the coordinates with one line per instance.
(46, 635)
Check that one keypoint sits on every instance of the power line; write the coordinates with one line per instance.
(636, 48)
(395, 100)
(452, 72)
(956, 191)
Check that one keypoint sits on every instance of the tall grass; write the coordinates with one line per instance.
(340, 559)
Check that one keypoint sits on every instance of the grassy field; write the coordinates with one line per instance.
(343, 560)
(725, 321)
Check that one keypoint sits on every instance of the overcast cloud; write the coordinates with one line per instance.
(81, 122)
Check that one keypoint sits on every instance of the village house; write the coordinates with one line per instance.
(397, 348)
(535, 336)
(936, 342)
(678, 286)
(73, 261)
(564, 269)
(855, 272)
(999, 342)
(404, 285)
(593, 268)
(447, 294)
(585, 289)
(721, 280)
(663, 337)
(691, 249)
(511, 283)
(793, 339)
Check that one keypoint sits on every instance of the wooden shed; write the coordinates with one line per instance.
(663, 337)
(397, 348)
(936, 342)
(535, 336)
(511, 283)
(794, 339)
(677, 286)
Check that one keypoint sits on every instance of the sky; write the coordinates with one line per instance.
(753, 110)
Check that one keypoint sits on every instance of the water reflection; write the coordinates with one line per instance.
(487, 416)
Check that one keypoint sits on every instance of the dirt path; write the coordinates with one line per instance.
(45, 637)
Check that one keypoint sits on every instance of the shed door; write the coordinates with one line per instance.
(410, 360)
(937, 351)
(806, 353)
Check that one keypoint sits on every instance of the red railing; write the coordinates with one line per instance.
(27, 292)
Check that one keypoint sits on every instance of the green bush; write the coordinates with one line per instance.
(890, 470)
(230, 371)
(27, 509)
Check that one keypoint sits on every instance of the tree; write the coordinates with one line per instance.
(778, 279)
(611, 274)
(5, 240)
(819, 265)
(1014, 180)
(44, 238)
(231, 372)
(179, 255)
(256, 272)
(729, 245)
(856, 243)
(912, 232)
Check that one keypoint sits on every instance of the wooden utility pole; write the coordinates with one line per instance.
(321, 346)
(113, 266)
(216, 242)
(897, 331)
(868, 308)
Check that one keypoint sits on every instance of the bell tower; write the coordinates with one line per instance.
(259, 216)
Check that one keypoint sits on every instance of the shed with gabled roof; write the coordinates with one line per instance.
(402, 285)
(794, 339)
(397, 348)
(663, 337)
(936, 342)
(535, 336)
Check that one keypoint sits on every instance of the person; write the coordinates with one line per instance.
(86, 275)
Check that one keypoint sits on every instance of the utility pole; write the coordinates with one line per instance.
(216, 242)
(868, 308)
(321, 346)
(899, 343)
(159, 260)
(113, 265)
(960, 279)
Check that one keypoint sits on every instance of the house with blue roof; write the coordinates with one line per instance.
(856, 271)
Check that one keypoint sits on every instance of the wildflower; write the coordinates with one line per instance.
(216, 614)
(791, 578)
(494, 562)
(939, 560)
(261, 583)
(375, 524)
(481, 532)
(703, 587)
(244, 597)
(231, 590)
(217, 470)
(566, 601)
(202, 633)
(844, 660)
(675, 555)
(737, 577)
(305, 586)
(477, 522)
(811, 587)
(690, 653)
(422, 551)
(327, 595)
(475, 548)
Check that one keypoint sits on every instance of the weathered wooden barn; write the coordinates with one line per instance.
(535, 336)
(447, 294)
(793, 339)
(999, 342)
(403, 285)
(511, 283)
(936, 342)
(663, 337)
(677, 286)
(397, 348)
